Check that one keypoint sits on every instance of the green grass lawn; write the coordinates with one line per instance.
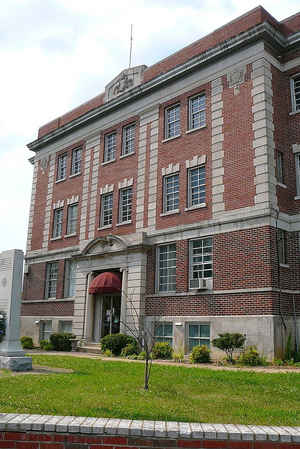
(115, 389)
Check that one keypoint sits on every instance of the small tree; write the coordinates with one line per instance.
(229, 343)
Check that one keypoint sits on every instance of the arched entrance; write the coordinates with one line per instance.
(106, 289)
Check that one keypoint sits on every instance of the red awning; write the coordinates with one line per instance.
(107, 282)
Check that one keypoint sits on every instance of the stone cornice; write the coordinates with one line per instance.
(264, 31)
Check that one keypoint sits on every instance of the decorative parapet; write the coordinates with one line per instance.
(125, 81)
(108, 188)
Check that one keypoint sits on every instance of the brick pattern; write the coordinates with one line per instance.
(70, 432)
(48, 308)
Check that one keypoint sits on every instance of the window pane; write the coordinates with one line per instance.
(200, 259)
(197, 188)
(106, 209)
(125, 206)
(197, 115)
(171, 193)
(110, 145)
(167, 268)
(72, 219)
(57, 223)
(128, 139)
(61, 167)
(51, 280)
(172, 121)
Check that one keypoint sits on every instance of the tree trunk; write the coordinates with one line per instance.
(146, 383)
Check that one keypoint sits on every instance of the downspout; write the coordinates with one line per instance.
(278, 271)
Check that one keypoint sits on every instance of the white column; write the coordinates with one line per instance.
(89, 309)
(124, 295)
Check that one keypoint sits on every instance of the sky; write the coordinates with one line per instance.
(57, 54)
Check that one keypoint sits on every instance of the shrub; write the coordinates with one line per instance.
(141, 355)
(178, 356)
(26, 342)
(129, 350)
(116, 342)
(228, 343)
(251, 357)
(61, 341)
(200, 354)
(107, 353)
(162, 350)
(46, 345)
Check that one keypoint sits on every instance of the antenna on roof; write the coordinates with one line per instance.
(130, 51)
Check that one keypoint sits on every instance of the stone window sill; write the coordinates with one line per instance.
(170, 138)
(297, 197)
(170, 212)
(75, 174)
(104, 227)
(108, 162)
(124, 223)
(127, 155)
(195, 129)
(55, 238)
(60, 180)
(282, 185)
(196, 206)
(284, 265)
(70, 235)
(294, 112)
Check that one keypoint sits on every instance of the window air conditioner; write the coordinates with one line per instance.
(199, 284)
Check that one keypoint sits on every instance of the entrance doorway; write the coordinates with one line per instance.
(107, 313)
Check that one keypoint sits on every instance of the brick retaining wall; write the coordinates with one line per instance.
(70, 432)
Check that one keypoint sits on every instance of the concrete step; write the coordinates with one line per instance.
(93, 348)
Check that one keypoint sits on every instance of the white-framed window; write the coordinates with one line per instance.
(170, 192)
(70, 278)
(201, 259)
(110, 146)
(106, 209)
(282, 246)
(125, 205)
(196, 186)
(51, 279)
(198, 334)
(65, 326)
(172, 121)
(166, 268)
(163, 332)
(279, 167)
(76, 161)
(197, 113)
(58, 215)
(295, 92)
(45, 330)
(297, 166)
(72, 219)
(61, 167)
(128, 139)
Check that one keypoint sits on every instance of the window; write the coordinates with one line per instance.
(51, 279)
(170, 193)
(166, 268)
(125, 205)
(297, 164)
(163, 332)
(279, 167)
(200, 252)
(106, 209)
(196, 186)
(70, 279)
(57, 223)
(65, 326)
(72, 219)
(199, 334)
(128, 139)
(61, 167)
(110, 145)
(295, 91)
(172, 121)
(197, 116)
(45, 330)
(76, 161)
(282, 246)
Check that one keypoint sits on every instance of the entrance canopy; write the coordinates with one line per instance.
(107, 282)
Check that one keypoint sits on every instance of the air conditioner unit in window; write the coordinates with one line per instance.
(199, 284)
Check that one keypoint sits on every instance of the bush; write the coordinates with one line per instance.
(116, 342)
(200, 354)
(162, 350)
(107, 353)
(141, 355)
(251, 357)
(129, 350)
(61, 341)
(26, 342)
(178, 356)
(228, 343)
(46, 345)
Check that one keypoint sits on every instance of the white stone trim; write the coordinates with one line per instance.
(86, 174)
(263, 128)
(217, 138)
(58, 205)
(93, 190)
(170, 169)
(32, 205)
(108, 188)
(73, 199)
(296, 147)
(127, 182)
(51, 176)
(195, 161)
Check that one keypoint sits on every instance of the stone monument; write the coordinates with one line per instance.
(12, 356)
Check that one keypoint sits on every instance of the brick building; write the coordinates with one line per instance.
(175, 194)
